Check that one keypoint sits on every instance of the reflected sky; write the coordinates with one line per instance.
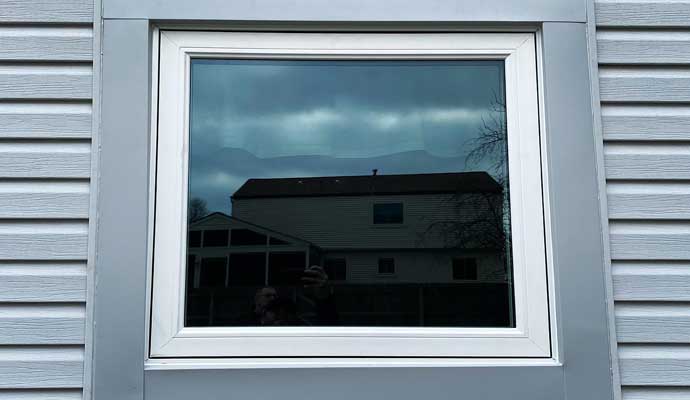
(279, 119)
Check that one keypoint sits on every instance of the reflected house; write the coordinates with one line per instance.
(377, 231)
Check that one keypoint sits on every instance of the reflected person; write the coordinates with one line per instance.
(314, 281)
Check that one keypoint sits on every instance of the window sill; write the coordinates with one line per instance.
(278, 363)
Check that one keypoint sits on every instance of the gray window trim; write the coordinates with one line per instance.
(349, 10)
(122, 239)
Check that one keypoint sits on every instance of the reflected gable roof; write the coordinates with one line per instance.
(358, 185)
(216, 220)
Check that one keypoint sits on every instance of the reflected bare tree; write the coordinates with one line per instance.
(481, 218)
(489, 147)
(197, 209)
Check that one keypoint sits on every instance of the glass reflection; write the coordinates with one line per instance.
(348, 193)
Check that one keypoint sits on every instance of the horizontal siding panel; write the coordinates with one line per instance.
(644, 89)
(645, 127)
(43, 246)
(41, 367)
(654, 365)
(633, 48)
(44, 205)
(654, 393)
(648, 201)
(41, 325)
(644, 82)
(664, 13)
(45, 44)
(647, 166)
(46, 11)
(42, 282)
(45, 125)
(650, 246)
(653, 323)
(41, 394)
(62, 83)
(62, 164)
(652, 281)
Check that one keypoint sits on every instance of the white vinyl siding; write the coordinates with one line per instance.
(46, 86)
(643, 51)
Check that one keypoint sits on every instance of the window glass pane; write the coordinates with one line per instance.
(386, 265)
(374, 193)
(389, 213)
(247, 269)
(465, 268)
(212, 272)
(216, 238)
(247, 237)
(335, 268)
(194, 238)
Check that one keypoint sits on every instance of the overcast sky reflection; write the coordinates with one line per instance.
(279, 118)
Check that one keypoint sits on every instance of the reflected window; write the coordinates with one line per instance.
(465, 269)
(274, 241)
(335, 268)
(194, 238)
(246, 237)
(216, 238)
(388, 213)
(286, 269)
(386, 266)
(213, 272)
(247, 269)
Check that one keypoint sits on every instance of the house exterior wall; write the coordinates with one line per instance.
(346, 222)
(643, 50)
(46, 86)
(46, 73)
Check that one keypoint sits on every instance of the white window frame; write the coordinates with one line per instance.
(532, 335)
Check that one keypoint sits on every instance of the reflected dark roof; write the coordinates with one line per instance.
(459, 182)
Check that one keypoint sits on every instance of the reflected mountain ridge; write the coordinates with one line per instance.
(242, 164)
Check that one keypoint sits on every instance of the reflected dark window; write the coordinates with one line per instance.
(386, 265)
(349, 193)
(465, 269)
(212, 272)
(191, 265)
(286, 269)
(246, 237)
(194, 238)
(335, 268)
(277, 242)
(389, 213)
(216, 238)
(247, 269)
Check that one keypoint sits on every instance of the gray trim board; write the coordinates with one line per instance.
(121, 237)
(533, 383)
(349, 10)
(603, 199)
(575, 209)
(122, 256)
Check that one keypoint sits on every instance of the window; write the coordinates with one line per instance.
(246, 237)
(194, 238)
(216, 238)
(388, 213)
(247, 269)
(212, 272)
(465, 269)
(304, 133)
(335, 268)
(386, 266)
